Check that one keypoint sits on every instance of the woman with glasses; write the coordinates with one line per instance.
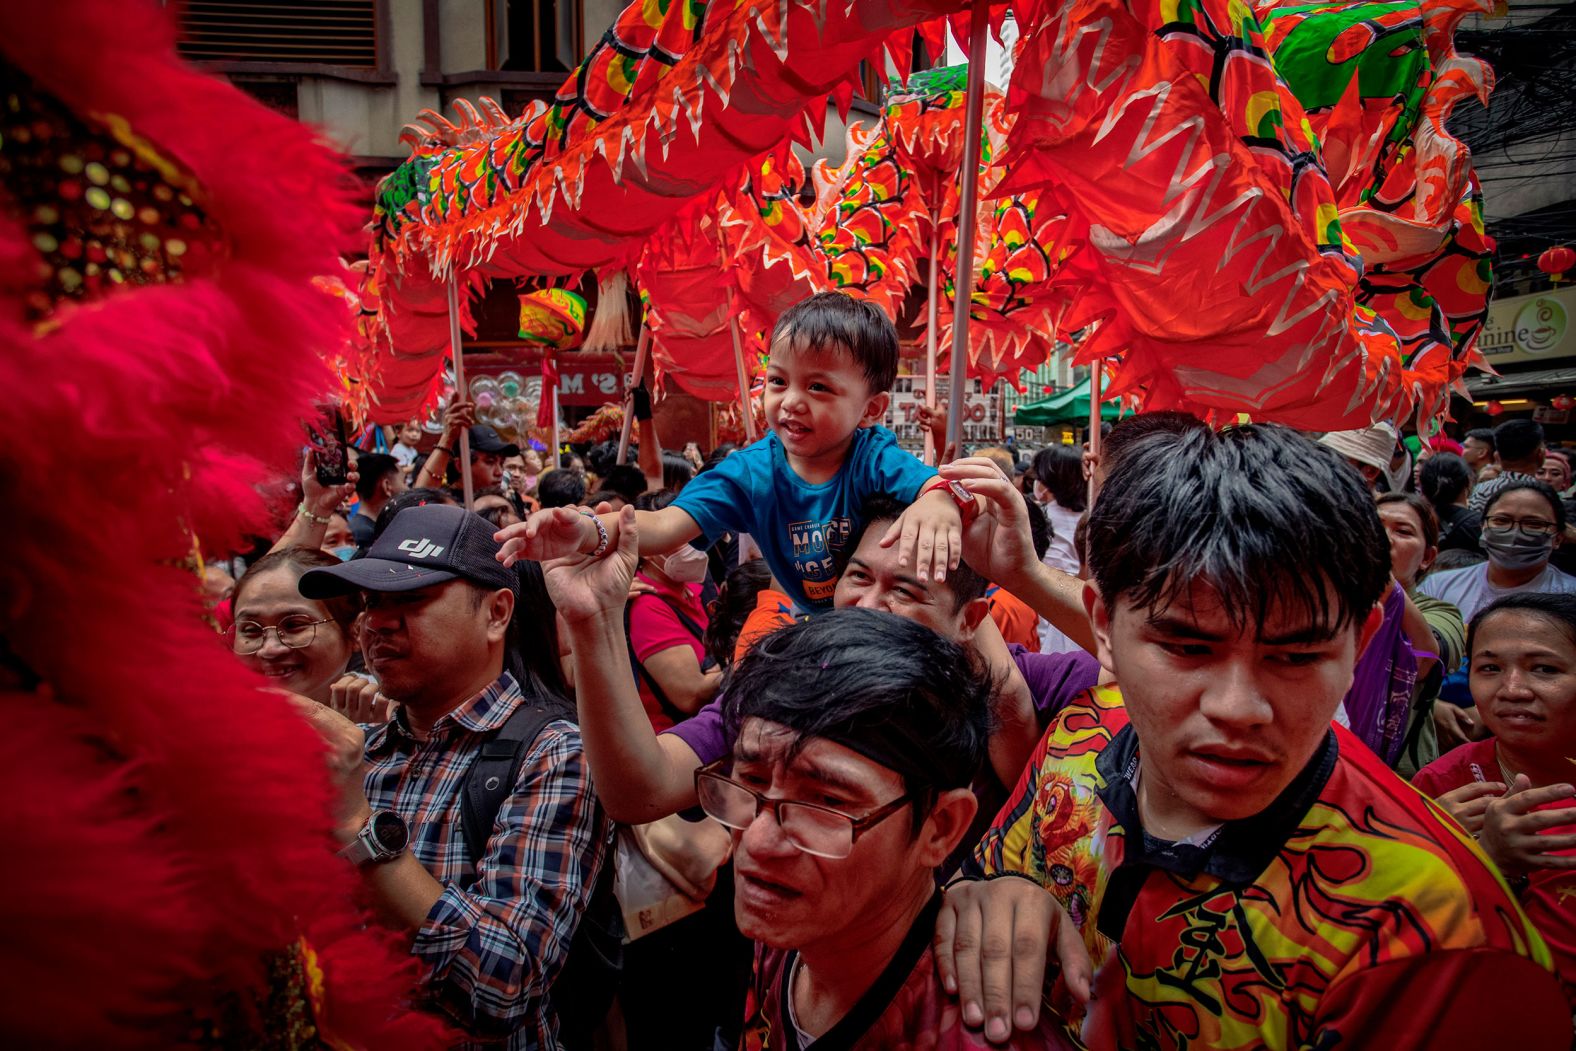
(303, 645)
(1523, 522)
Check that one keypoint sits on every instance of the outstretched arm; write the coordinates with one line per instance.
(638, 775)
(563, 532)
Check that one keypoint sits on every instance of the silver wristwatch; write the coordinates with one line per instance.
(382, 838)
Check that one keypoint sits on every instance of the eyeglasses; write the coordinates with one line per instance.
(1529, 526)
(814, 829)
(248, 636)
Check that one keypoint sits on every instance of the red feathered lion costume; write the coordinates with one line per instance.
(169, 876)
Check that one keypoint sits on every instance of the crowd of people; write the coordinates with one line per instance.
(1218, 737)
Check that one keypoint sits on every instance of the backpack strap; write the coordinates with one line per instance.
(671, 710)
(493, 772)
(583, 991)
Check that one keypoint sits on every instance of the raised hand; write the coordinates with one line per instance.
(323, 500)
(1513, 829)
(556, 532)
(585, 587)
(997, 544)
(459, 416)
(358, 699)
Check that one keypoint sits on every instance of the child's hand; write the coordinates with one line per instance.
(997, 544)
(554, 533)
(929, 535)
(584, 588)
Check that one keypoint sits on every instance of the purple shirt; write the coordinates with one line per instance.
(1054, 679)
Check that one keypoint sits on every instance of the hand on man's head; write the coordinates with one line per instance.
(997, 544)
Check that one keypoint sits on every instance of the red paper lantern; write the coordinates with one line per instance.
(1494, 408)
(1049, 388)
(1555, 261)
(1563, 402)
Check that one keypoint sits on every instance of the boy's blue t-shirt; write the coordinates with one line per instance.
(800, 527)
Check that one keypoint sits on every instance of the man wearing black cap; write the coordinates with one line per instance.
(488, 451)
(493, 921)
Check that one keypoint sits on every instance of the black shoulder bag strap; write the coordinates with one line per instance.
(583, 990)
(671, 710)
(491, 777)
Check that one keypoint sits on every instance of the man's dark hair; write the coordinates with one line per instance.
(1060, 469)
(883, 508)
(1482, 434)
(625, 479)
(838, 321)
(1262, 514)
(561, 488)
(1518, 440)
(1444, 477)
(374, 467)
(1543, 489)
(1040, 530)
(890, 689)
(1129, 429)
(1426, 518)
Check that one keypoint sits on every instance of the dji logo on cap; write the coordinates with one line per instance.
(421, 548)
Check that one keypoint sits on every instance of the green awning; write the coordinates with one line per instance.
(1068, 406)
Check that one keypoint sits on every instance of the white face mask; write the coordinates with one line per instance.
(686, 565)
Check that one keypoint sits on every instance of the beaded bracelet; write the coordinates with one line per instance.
(309, 516)
(601, 532)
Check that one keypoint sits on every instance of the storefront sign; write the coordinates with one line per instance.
(1534, 328)
(981, 412)
(579, 382)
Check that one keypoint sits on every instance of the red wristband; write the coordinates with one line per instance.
(968, 507)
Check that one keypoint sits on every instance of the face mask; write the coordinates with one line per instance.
(686, 566)
(1511, 549)
(344, 553)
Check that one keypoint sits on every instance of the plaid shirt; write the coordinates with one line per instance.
(490, 951)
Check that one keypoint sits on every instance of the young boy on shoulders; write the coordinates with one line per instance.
(798, 490)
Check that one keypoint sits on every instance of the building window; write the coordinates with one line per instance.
(307, 32)
(281, 95)
(537, 36)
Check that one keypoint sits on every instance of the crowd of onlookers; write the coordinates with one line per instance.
(680, 752)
